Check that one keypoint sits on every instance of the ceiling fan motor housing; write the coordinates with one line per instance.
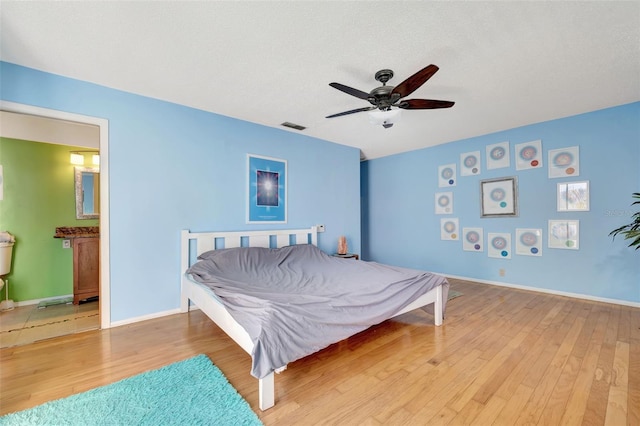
(382, 97)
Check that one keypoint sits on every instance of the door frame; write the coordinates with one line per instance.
(103, 125)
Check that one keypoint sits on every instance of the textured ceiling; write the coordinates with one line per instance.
(505, 64)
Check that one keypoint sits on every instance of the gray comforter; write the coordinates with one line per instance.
(295, 300)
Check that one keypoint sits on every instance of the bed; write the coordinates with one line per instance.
(248, 283)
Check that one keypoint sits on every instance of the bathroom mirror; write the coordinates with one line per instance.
(87, 180)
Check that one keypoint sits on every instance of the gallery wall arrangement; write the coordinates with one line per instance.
(577, 172)
(499, 198)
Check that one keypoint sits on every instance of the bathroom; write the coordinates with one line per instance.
(38, 196)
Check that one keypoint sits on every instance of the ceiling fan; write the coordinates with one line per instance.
(385, 97)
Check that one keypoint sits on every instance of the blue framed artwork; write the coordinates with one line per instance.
(267, 192)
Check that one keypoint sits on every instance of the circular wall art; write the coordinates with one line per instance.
(449, 229)
(470, 161)
(529, 242)
(447, 173)
(497, 153)
(444, 202)
(498, 194)
(529, 238)
(528, 153)
(564, 162)
(499, 243)
(473, 237)
(562, 159)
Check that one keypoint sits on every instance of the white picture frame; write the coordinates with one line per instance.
(529, 155)
(564, 234)
(449, 229)
(499, 245)
(472, 239)
(529, 242)
(470, 163)
(447, 175)
(444, 203)
(564, 162)
(573, 196)
(498, 155)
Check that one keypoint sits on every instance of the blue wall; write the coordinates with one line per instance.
(172, 167)
(401, 228)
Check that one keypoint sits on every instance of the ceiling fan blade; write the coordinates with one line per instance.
(353, 111)
(424, 104)
(408, 86)
(350, 90)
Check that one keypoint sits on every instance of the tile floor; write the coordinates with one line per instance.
(28, 324)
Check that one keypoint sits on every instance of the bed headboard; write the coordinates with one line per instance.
(193, 244)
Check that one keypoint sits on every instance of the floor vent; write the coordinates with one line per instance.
(293, 125)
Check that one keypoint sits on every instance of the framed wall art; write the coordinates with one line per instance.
(499, 197)
(529, 242)
(499, 245)
(498, 155)
(472, 239)
(449, 229)
(564, 162)
(267, 190)
(447, 175)
(444, 203)
(564, 234)
(529, 155)
(470, 163)
(573, 196)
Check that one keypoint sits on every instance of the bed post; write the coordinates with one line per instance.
(184, 264)
(437, 306)
(266, 392)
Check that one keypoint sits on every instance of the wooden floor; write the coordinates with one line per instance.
(503, 357)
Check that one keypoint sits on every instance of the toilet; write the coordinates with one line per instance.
(6, 250)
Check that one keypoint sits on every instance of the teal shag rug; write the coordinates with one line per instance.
(190, 392)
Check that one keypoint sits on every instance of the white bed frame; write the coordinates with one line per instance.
(195, 243)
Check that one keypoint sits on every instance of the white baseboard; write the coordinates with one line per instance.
(145, 317)
(548, 291)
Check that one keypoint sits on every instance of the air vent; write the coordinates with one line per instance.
(293, 125)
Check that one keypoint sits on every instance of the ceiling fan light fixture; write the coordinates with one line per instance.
(385, 118)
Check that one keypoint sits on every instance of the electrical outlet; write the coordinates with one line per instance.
(320, 228)
(502, 272)
(66, 243)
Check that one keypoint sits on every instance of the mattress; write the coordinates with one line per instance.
(295, 300)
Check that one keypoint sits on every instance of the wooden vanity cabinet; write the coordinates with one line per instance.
(86, 268)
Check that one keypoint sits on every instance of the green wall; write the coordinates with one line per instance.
(39, 195)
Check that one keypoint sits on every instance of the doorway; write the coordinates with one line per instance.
(102, 124)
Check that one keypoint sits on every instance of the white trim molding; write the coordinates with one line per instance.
(103, 124)
(547, 291)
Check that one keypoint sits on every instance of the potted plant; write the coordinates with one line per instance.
(631, 231)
